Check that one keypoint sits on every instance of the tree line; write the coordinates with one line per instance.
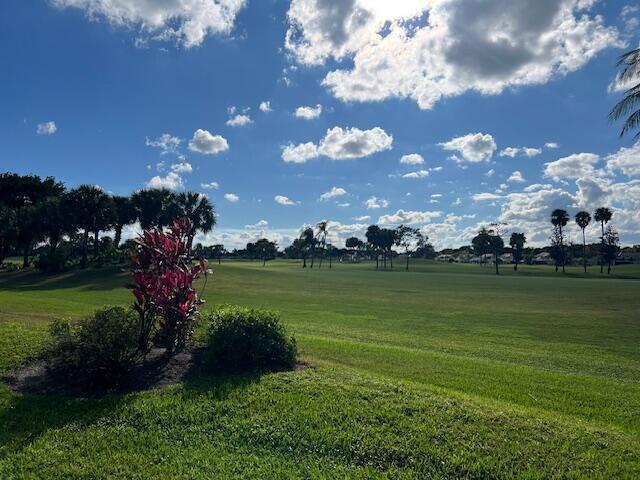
(35, 211)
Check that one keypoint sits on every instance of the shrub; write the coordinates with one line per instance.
(52, 262)
(164, 273)
(243, 339)
(103, 345)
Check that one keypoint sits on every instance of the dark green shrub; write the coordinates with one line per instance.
(241, 339)
(103, 345)
(52, 262)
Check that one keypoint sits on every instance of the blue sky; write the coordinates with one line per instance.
(505, 108)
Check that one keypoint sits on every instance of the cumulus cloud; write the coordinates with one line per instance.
(551, 145)
(309, 113)
(408, 217)
(265, 106)
(333, 193)
(341, 144)
(416, 174)
(282, 200)
(626, 160)
(486, 196)
(187, 22)
(231, 197)
(166, 142)
(375, 202)
(206, 143)
(239, 120)
(171, 181)
(300, 153)
(210, 186)
(473, 147)
(430, 50)
(412, 159)
(182, 167)
(46, 128)
(574, 166)
(527, 151)
(516, 177)
(362, 218)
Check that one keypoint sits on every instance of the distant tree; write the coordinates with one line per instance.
(57, 219)
(321, 238)
(124, 214)
(628, 107)
(496, 243)
(556, 247)
(611, 247)
(198, 209)
(264, 249)
(408, 238)
(8, 230)
(559, 219)
(481, 244)
(582, 220)
(517, 242)
(354, 244)
(387, 239)
(373, 239)
(306, 244)
(104, 219)
(603, 216)
(218, 251)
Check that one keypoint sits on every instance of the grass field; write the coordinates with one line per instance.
(445, 371)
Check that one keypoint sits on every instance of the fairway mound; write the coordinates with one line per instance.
(44, 377)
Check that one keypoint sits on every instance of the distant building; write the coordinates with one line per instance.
(543, 258)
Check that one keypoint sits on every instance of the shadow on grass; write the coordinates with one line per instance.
(24, 418)
(108, 278)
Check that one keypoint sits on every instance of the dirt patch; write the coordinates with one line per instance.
(44, 377)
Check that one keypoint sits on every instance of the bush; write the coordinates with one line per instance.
(48, 262)
(242, 339)
(103, 345)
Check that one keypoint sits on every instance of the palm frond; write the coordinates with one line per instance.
(632, 123)
(631, 63)
(628, 104)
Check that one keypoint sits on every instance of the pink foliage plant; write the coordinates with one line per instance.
(164, 272)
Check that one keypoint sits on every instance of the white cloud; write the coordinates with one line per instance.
(509, 152)
(412, 159)
(210, 185)
(417, 174)
(436, 195)
(282, 200)
(182, 167)
(627, 160)
(474, 147)
(206, 143)
(172, 181)
(187, 22)
(574, 166)
(333, 193)
(341, 144)
(300, 153)
(265, 106)
(239, 120)
(429, 50)
(46, 128)
(259, 224)
(166, 142)
(486, 196)
(551, 145)
(375, 202)
(516, 177)
(527, 151)
(231, 197)
(343, 205)
(531, 152)
(362, 218)
(309, 113)
(408, 217)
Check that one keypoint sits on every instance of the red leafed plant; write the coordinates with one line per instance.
(164, 272)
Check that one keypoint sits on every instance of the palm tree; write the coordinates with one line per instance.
(198, 209)
(86, 201)
(125, 214)
(307, 245)
(559, 219)
(583, 219)
(155, 207)
(517, 241)
(104, 220)
(322, 237)
(628, 106)
(602, 215)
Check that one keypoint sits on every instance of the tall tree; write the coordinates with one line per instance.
(104, 219)
(86, 202)
(559, 219)
(373, 239)
(603, 216)
(264, 249)
(387, 239)
(218, 250)
(481, 244)
(125, 214)
(307, 243)
(155, 207)
(496, 243)
(353, 244)
(517, 241)
(611, 247)
(408, 238)
(629, 107)
(197, 208)
(8, 230)
(582, 220)
(321, 236)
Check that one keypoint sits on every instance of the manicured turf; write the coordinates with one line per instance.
(445, 371)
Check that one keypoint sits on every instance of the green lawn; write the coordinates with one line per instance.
(445, 371)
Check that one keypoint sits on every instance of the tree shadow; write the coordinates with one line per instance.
(108, 278)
